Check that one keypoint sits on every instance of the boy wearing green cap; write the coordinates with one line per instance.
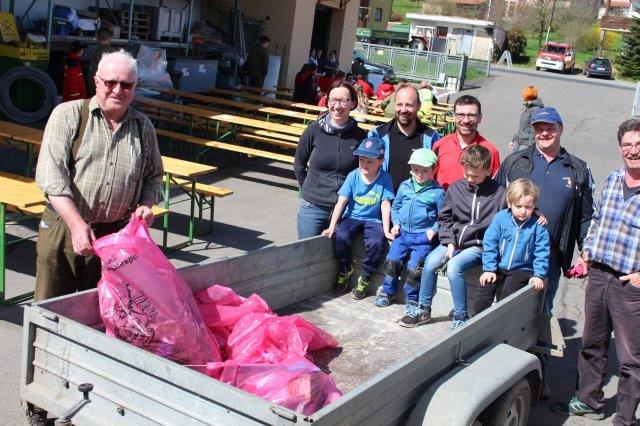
(414, 215)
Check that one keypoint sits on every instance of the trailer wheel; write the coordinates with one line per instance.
(511, 408)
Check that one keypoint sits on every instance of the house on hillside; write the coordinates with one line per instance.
(374, 14)
(616, 18)
(453, 35)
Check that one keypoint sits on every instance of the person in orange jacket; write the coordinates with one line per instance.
(73, 84)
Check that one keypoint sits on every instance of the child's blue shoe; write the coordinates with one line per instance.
(415, 315)
(383, 300)
(458, 323)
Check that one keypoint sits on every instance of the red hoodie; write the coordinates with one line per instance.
(366, 89)
(384, 90)
(73, 83)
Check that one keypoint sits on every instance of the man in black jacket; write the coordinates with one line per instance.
(566, 192)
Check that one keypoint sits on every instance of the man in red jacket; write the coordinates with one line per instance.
(468, 115)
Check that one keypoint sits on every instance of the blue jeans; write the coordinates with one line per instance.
(553, 282)
(415, 246)
(312, 219)
(466, 259)
(374, 244)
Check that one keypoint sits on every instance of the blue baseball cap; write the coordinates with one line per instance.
(371, 147)
(546, 115)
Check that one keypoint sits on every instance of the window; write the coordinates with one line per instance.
(378, 15)
(441, 32)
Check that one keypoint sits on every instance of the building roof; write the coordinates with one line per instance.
(450, 19)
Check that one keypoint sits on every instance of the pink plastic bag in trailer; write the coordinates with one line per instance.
(261, 337)
(221, 308)
(295, 382)
(146, 302)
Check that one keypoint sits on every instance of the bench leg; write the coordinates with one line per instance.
(165, 219)
(3, 246)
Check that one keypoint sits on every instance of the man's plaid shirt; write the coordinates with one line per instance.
(614, 235)
(113, 171)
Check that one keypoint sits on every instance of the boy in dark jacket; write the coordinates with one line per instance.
(414, 214)
(516, 247)
(469, 207)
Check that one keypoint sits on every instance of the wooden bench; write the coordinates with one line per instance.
(225, 146)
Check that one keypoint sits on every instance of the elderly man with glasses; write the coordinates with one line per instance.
(99, 164)
(566, 197)
(611, 257)
(468, 115)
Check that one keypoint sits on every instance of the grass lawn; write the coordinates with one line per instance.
(407, 6)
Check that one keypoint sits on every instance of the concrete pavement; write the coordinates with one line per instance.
(263, 209)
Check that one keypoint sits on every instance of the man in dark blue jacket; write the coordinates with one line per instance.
(566, 192)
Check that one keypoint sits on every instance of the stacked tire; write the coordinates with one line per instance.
(40, 79)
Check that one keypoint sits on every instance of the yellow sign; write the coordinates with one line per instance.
(8, 29)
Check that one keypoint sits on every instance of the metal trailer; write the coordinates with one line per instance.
(389, 375)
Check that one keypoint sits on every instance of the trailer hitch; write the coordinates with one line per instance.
(65, 419)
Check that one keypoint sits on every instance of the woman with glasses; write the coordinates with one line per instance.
(324, 158)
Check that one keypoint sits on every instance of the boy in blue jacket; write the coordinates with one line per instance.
(516, 247)
(414, 214)
(365, 198)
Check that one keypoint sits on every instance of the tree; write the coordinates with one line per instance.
(629, 60)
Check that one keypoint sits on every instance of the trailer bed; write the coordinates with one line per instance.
(364, 332)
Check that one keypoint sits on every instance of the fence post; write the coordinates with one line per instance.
(463, 71)
(635, 109)
(489, 56)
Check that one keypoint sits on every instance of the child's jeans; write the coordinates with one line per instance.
(416, 246)
(508, 281)
(466, 259)
(374, 243)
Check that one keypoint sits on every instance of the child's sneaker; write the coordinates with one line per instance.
(415, 316)
(383, 300)
(575, 407)
(458, 323)
(361, 288)
(342, 283)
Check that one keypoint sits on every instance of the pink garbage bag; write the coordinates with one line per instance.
(144, 300)
(221, 308)
(262, 337)
(295, 382)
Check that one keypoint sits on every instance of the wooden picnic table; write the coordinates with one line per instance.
(220, 118)
(15, 194)
(173, 168)
(13, 132)
(258, 90)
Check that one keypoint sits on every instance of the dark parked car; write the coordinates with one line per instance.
(600, 67)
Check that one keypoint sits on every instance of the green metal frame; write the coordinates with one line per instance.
(3, 249)
(165, 230)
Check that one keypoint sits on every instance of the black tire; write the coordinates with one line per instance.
(417, 44)
(511, 408)
(537, 68)
(42, 80)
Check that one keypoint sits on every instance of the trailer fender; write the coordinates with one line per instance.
(461, 395)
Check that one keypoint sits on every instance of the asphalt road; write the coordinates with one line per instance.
(263, 208)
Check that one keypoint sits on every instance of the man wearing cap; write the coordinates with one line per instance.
(566, 192)
(468, 115)
(404, 134)
(414, 215)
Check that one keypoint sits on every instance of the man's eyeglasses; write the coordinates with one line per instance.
(110, 84)
(627, 147)
(341, 102)
(470, 116)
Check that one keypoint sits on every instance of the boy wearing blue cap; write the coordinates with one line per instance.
(414, 214)
(365, 198)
